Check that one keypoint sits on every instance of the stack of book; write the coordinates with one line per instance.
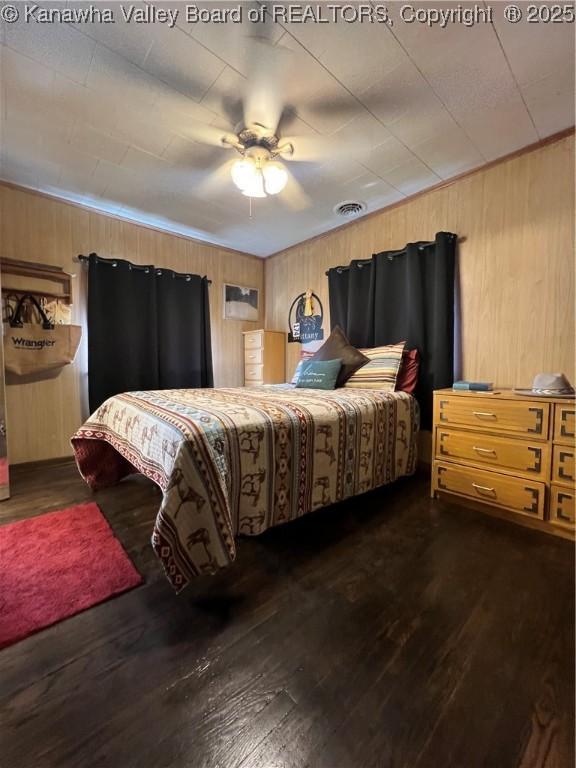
(473, 386)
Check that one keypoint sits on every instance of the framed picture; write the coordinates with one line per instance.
(241, 303)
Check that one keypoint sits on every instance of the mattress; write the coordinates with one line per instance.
(239, 461)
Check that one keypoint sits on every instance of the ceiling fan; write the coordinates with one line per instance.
(259, 173)
(260, 118)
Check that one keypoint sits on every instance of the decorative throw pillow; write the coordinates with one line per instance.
(381, 370)
(408, 373)
(336, 347)
(297, 372)
(304, 357)
(319, 374)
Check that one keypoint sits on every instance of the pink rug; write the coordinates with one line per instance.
(55, 565)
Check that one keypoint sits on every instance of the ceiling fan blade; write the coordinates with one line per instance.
(344, 106)
(293, 194)
(309, 149)
(263, 102)
(374, 101)
(287, 119)
(216, 181)
(208, 134)
(322, 149)
(233, 108)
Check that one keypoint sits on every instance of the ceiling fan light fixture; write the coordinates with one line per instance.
(255, 188)
(275, 177)
(257, 174)
(244, 173)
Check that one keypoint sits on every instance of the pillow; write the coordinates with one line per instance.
(297, 372)
(304, 357)
(381, 370)
(319, 374)
(408, 373)
(337, 347)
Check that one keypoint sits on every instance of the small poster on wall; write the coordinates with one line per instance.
(305, 318)
(241, 303)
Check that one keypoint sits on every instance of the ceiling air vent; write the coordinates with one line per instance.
(349, 208)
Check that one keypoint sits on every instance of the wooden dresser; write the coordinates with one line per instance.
(264, 357)
(513, 454)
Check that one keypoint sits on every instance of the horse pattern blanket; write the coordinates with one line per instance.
(239, 461)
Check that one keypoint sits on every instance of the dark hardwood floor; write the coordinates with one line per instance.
(387, 631)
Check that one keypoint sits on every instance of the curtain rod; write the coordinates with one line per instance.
(391, 254)
(85, 259)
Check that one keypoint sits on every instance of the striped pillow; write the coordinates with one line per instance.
(381, 371)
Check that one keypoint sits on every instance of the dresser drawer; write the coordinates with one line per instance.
(254, 373)
(525, 497)
(253, 356)
(502, 416)
(518, 456)
(563, 465)
(253, 340)
(562, 507)
(564, 424)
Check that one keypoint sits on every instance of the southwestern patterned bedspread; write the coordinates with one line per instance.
(239, 461)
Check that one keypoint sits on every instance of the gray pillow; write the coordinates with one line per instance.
(319, 374)
(337, 347)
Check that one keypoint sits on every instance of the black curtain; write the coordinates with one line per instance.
(147, 329)
(406, 294)
(184, 346)
(351, 298)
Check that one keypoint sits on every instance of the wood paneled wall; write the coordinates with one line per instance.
(42, 415)
(516, 262)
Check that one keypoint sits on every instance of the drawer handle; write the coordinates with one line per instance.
(563, 473)
(483, 488)
(491, 451)
(484, 414)
(252, 355)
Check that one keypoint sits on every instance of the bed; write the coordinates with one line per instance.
(239, 461)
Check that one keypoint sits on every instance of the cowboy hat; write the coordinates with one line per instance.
(549, 385)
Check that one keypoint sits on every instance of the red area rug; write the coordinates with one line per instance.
(55, 565)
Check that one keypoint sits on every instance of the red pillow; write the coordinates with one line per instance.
(408, 373)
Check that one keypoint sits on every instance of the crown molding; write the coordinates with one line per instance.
(126, 220)
(441, 185)
(405, 201)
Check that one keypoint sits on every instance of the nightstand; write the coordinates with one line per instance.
(511, 454)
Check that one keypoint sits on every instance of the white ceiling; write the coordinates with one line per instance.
(102, 113)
